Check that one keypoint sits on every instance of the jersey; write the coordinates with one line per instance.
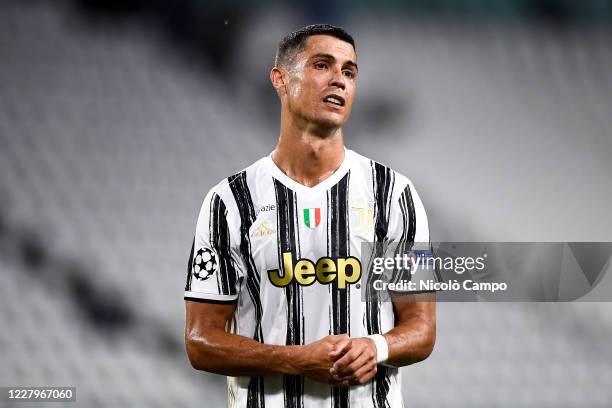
(289, 254)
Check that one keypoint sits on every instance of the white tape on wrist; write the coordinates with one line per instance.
(382, 348)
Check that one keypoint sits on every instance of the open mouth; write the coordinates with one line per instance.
(334, 100)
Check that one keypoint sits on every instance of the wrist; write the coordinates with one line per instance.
(381, 346)
(290, 360)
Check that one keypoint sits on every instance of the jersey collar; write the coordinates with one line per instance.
(330, 181)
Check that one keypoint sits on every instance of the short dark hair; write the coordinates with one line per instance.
(293, 43)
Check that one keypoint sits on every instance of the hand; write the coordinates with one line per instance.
(319, 356)
(357, 365)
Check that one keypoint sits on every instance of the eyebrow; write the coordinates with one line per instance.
(331, 57)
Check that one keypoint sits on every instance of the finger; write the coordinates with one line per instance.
(345, 360)
(349, 371)
(341, 348)
(363, 374)
(368, 377)
(343, 342)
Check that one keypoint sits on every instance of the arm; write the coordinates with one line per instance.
(410, 341)
(414, 335)
(211, 348)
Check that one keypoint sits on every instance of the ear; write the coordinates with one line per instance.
(277, 78)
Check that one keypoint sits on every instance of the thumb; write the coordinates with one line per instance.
(341, 347)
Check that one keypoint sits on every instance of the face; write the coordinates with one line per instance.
(320, 83)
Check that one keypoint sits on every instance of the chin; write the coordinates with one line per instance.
(330, 121)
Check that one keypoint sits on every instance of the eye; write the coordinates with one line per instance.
(349, 74)
(320, 65)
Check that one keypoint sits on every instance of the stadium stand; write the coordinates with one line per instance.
(109, 140)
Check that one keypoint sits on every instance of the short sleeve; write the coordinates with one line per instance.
(409, 238)
(214, 268)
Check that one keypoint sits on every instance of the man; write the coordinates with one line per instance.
(273, 294)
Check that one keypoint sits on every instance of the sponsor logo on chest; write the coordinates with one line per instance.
(264, 229)
(325, 270)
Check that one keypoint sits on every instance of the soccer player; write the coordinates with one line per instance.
(273, 294)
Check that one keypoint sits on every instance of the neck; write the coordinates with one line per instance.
(308, 154)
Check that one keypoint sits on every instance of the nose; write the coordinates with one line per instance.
(338, 79)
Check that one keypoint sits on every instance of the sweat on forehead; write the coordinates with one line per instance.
(293, 43)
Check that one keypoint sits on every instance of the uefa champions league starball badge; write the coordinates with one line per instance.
(204, 264)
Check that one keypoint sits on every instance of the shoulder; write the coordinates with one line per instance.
(382, 174)
(224, 199)
(229, 186)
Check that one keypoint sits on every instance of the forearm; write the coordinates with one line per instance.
(411, 342)
(233, 355)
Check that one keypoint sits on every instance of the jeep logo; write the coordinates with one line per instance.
(325, 271)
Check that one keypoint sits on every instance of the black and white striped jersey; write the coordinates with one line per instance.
(287, 255)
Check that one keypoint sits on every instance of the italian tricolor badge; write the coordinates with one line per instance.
(312, 217)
